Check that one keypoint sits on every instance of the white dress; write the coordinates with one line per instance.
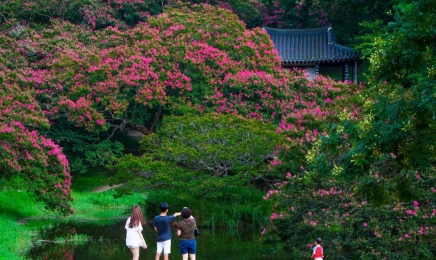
(133, 239)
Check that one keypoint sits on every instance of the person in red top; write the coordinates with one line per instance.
(317, 250)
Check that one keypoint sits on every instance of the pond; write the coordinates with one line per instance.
(92, 241)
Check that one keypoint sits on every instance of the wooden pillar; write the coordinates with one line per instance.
(346, 71)
(316, 70)
(355, 72)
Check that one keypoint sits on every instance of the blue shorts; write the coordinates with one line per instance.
(188, 246)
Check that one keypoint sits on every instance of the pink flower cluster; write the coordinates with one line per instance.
(333, 191)
(270, 193)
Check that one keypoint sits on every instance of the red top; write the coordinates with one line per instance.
(317, 252)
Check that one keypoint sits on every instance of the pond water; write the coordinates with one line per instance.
(108, 242)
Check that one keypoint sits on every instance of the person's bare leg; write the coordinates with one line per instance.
(166, 256)
(135, 253)
(185, 256)
(157, 257)
(192, 256)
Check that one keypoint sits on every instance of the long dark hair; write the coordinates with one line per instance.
(136, 217)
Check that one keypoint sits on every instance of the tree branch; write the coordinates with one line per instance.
(120, 127)
(156, 119)
(3, 17)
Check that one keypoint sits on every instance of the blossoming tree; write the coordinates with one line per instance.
(28, 155)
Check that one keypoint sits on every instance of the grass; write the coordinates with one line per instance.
(90, 181)
(16, 239)
(76, 239)
(17, 207)
(238, 206)
(103, 206)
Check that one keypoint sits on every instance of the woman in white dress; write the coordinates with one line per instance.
(134, 238)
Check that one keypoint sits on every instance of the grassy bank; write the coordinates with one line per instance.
(17, 208)
(230, 204)
(16, 239)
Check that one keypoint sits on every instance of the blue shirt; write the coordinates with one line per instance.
(163, 225)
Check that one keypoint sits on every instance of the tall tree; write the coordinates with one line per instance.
(403, 59)
(368, 184)
(346, 16)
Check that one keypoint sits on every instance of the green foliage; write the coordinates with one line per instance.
(403, 52)
(207, 161)
(217, 144)
(84, 150)
(225, 201)
(346, 17)
(352, 221)
(214, 203)
(367, 187)
(250, 12)
(402, 111)
(385, 177)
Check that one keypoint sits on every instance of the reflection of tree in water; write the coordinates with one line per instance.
(82, 241)
(95, 241)
(59, 250)
(61, 244)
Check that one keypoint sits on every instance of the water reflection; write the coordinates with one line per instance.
(91, 241)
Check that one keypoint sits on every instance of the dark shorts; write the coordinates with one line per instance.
(188, 246)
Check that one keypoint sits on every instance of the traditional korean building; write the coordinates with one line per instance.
(313, 48)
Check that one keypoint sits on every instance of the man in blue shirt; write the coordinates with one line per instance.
(162, 225)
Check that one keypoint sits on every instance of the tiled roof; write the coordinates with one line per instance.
(309, 46)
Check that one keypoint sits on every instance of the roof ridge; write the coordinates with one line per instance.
(319, 30)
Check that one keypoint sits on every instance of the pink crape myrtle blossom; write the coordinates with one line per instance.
(25, 153)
